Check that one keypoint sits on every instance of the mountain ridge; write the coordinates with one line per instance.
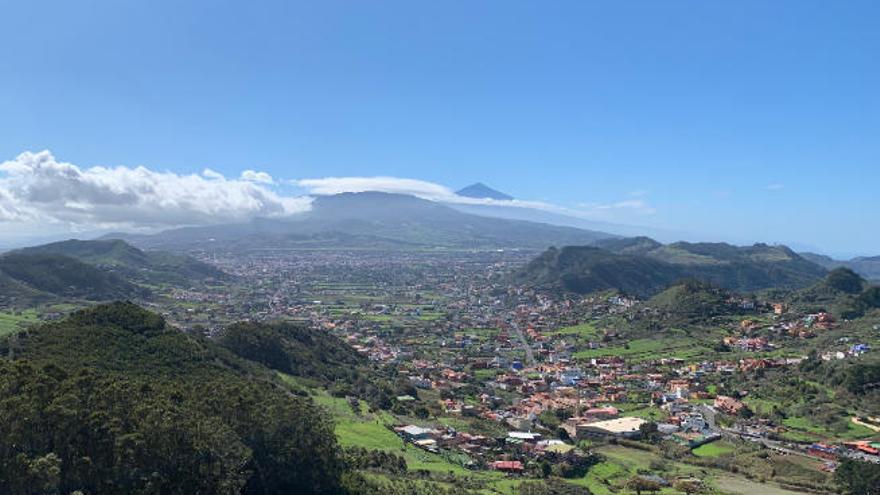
(370, 220)
(866, 266)
(117, 256)
(644, 267)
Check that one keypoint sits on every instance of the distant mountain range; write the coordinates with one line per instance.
(868, 267)
(93, 271)
(644, 267)
(371, 220)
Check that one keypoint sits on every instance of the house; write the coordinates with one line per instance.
(420, 382)
(693, 422)
(628, 427)
(728, 405)
(523, 436)
(508, 466)
(414, 433)
(824, 451)
(520, 423)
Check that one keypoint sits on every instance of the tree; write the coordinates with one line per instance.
(546, 469)
(639, 485)
(858, 477)
(649, 432)
(689, 486)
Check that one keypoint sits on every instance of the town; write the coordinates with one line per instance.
(510, 379)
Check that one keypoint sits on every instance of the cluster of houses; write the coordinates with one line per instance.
(496, 354)
(506, 454)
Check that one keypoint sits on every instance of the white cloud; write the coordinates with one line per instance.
(36, 188)
(440, 193)
(9, 212)
(210, 174)
(396, 185)
(40, 193)
(774, 187)
(635, 205)
(258, 177)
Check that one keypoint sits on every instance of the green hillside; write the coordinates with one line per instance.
(586, 269)
(111, 400)
(29, 278)
(14, 293)
(644, 267)
(866, 266)
(293, 349)
(117, 256)
(842, 292)
(693, 301)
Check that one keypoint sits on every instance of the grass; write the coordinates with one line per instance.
(370, 430)
(714, 449)
(807, 430)
(649, 349)
(738, 485)
(584, 330)
(13, 322)
(379, 318)
(645, 412)
(761, 406)
(601, 476)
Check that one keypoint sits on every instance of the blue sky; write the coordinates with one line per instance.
(741, 121)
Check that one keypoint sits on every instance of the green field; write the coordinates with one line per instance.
(584, 330)
(371, 431)
(11, 322)
(805, 426)
(649, 349)
(714, 449)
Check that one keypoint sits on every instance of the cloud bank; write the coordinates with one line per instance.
(35, 187)
(41, 194)
(440, 193)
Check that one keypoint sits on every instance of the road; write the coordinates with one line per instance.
(530, 355)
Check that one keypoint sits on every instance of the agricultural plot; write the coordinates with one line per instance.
(649, 349)
(714, 449)
(12, 322)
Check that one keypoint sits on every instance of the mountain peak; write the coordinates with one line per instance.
(482, 191)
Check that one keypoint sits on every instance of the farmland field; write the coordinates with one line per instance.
(11, 322)
(713, 449)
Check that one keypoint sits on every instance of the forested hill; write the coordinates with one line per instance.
(843, 293)
(30, 278)
(644, 267)
(293, 349)
(148, 267)
(866, 266)
(112, 400)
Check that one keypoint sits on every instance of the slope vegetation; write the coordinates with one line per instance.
(293, 349)
(117, 256)
(112, 400)
(28, 278)
(842, 292)
(643, 267)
